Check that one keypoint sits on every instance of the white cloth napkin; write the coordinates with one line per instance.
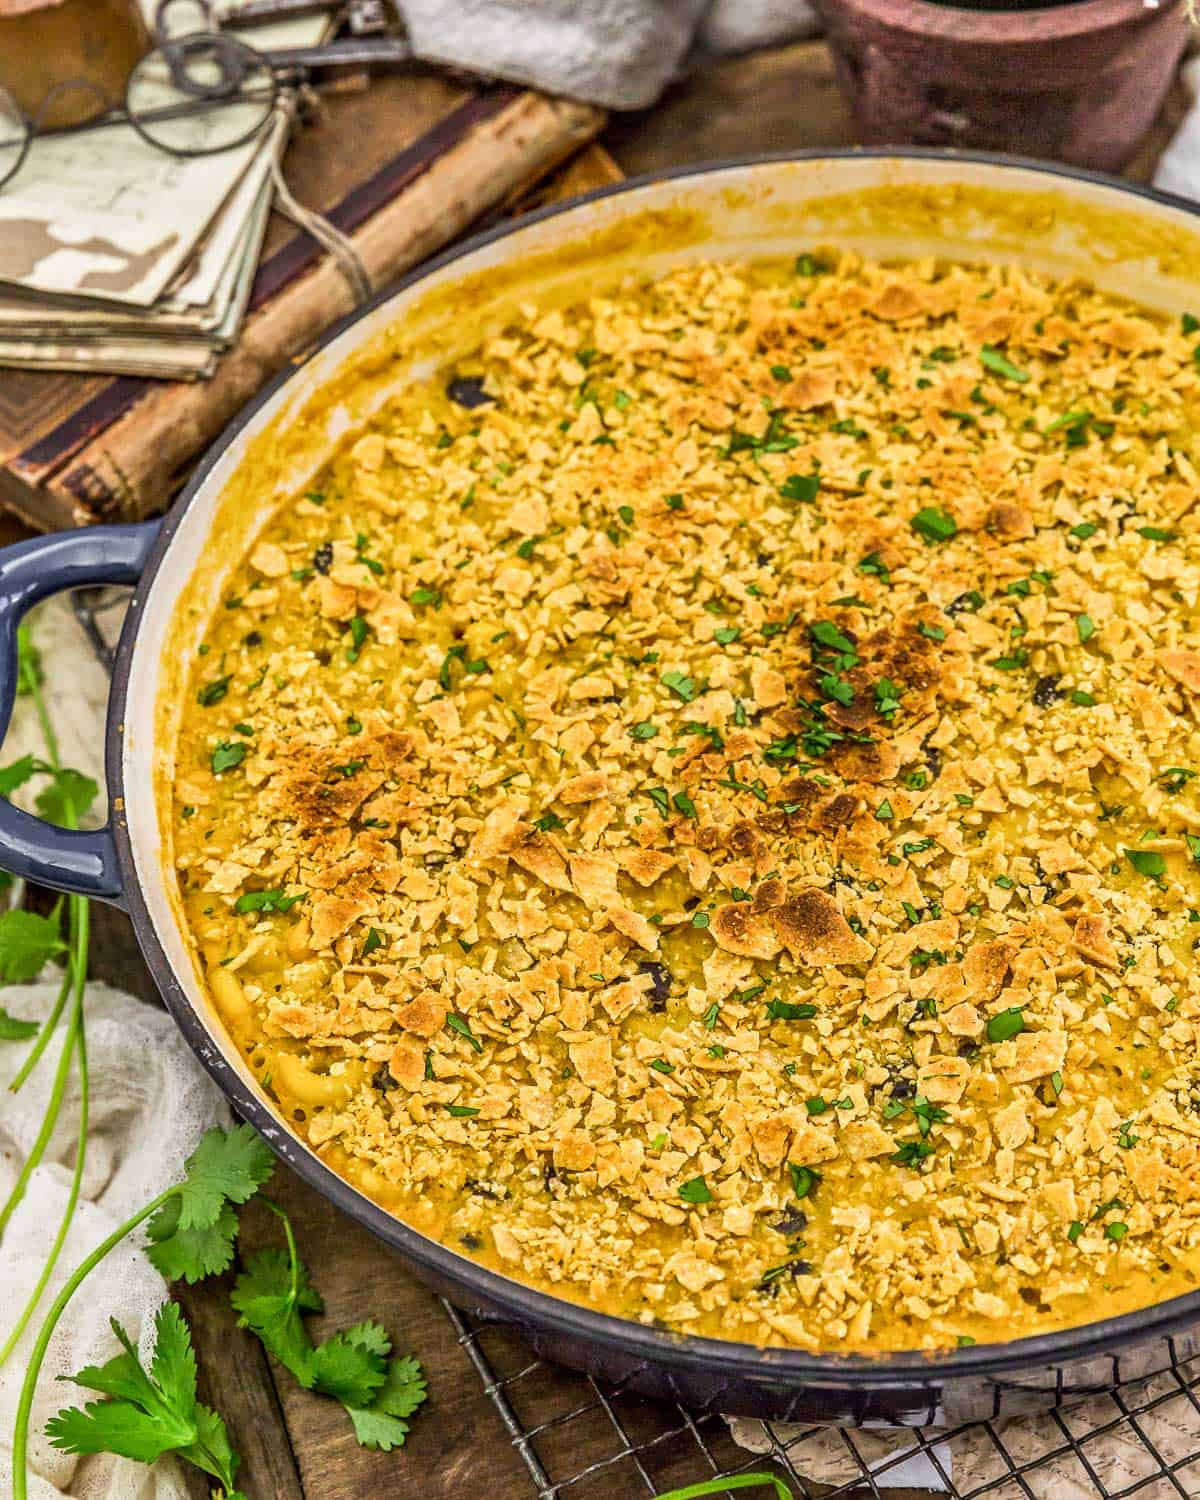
(149, 1103)
(619, 53)
(1178, 169)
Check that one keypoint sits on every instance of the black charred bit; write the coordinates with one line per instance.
(468, 391)
(1047, 691)
(660, 982)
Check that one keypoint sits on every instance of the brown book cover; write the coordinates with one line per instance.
(403, 167)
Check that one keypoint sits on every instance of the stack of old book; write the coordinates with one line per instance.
(400, 167)
(117, 256)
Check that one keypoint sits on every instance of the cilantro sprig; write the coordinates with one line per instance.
(355, 1367)
(149, 1413)
(191, 1229)
(192, 1226)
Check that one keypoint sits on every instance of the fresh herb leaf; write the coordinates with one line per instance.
(934, 525)
(911, 1153)
(683, 686)
(270, 1296)
(14, 1030)
(1006, 1024)
(265, 901)
(801, 487)
(992, 359)
(18, 773)
(359, 630)
(1146, 862)
(462, 1026)
(213, 692)
(380, 1425)
(805, 1180)
(227, 756)
(827, 635)
(783, 1010)
(27, 944)
(147, 1414)
(695, 1191)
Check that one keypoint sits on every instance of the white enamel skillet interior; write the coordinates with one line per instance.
(885, 205)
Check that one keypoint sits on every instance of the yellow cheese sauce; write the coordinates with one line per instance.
(695, 807)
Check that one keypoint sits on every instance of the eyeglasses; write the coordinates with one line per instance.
(201, 91)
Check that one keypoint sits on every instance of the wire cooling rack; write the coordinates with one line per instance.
(583, 1439)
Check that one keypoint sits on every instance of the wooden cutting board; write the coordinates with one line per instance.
(402, 166)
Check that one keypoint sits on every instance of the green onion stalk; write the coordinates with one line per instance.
(74, 1047)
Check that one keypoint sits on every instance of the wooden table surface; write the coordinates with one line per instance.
(296, 1446)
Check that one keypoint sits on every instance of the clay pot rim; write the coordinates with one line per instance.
(951, 23)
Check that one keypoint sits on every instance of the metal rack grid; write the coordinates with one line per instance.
(581, 1439)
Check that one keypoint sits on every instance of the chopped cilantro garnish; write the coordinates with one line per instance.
(934, 525)
(801, 487)
(991, 359)
(213, 692)
(783, 1010)
(358, 636)
(267, 901)
(658, 795)
(695, 1191)
(826, 634)
(684, 804)
(226, 756)
(804, 1180)
(683, 686)
(1146, 862)
(1006, 1024)
(462, 1026)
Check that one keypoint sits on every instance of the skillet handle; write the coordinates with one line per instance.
(83, 863)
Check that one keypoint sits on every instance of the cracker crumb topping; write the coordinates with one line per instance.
(709, 826)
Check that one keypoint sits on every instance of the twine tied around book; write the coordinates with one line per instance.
(327, 235)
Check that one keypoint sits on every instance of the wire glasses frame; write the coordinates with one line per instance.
(192, 96)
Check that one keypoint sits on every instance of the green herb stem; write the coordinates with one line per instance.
(68, 1212)
(46, 1333)
(42, 1040)
(34, 684)
(734, 1482)
(53, 1108)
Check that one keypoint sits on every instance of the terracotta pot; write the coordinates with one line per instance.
(1080, 82)
(49, 45)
